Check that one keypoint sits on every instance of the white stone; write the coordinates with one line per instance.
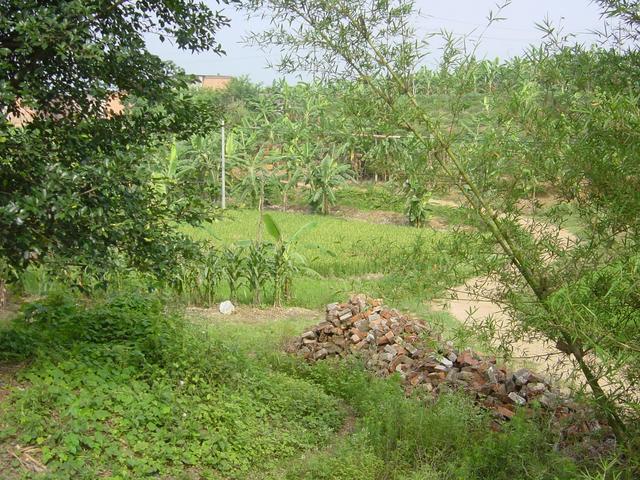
(517, 399)
(227, 308)
(445, 361)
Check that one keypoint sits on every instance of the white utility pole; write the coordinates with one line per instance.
(222, 159)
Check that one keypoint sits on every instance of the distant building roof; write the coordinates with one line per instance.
(214, 81)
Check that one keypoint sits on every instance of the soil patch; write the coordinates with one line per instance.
(473, 310)
(253, 315)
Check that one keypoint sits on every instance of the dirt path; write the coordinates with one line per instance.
(474, 311)
(472, 305)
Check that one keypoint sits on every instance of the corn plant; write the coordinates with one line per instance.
(258, 268)
(209, 274)
(286, 262)
(234, 264)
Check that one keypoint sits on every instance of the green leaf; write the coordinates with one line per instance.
(271, 227)
(301, 230)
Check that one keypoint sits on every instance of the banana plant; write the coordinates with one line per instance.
(171, 169)
(204, 153)
(256, 163)
(416, 207)
(286, 261)
(323, 179)
(292, 171)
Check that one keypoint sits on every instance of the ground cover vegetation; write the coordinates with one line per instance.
(111, 224)
(154, 395)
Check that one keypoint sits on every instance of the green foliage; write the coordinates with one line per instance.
(449, 437)
(369, 196)
(286, 261)
(417, 208)
(323, 179)
(75, 179)
(363, 248)
(352, 458)
(562, 119)
(406, 266)
(259, 267)
(234, 269)
(158, 397)
(109, 51)
(254, 178)
(125, 388)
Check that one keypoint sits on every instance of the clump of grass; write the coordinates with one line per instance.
(446, 438)
(370, 196)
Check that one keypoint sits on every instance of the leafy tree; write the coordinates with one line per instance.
(75, 182)
(629, 12)
(70, 56)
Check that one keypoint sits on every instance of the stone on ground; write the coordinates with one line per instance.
(226, 308)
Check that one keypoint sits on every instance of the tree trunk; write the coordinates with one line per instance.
(601, 398)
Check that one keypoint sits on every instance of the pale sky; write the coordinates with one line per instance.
(504, 39)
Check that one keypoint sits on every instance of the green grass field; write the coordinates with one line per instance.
(334, 246)
(348, 256)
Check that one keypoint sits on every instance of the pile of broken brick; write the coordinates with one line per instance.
(390, 342)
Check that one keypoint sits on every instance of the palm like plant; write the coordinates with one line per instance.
(323, 179)
(204, 152)
(171, 168)
(257, 168)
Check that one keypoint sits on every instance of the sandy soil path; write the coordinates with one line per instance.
(470, 304)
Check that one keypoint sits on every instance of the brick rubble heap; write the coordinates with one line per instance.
(394, 343)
